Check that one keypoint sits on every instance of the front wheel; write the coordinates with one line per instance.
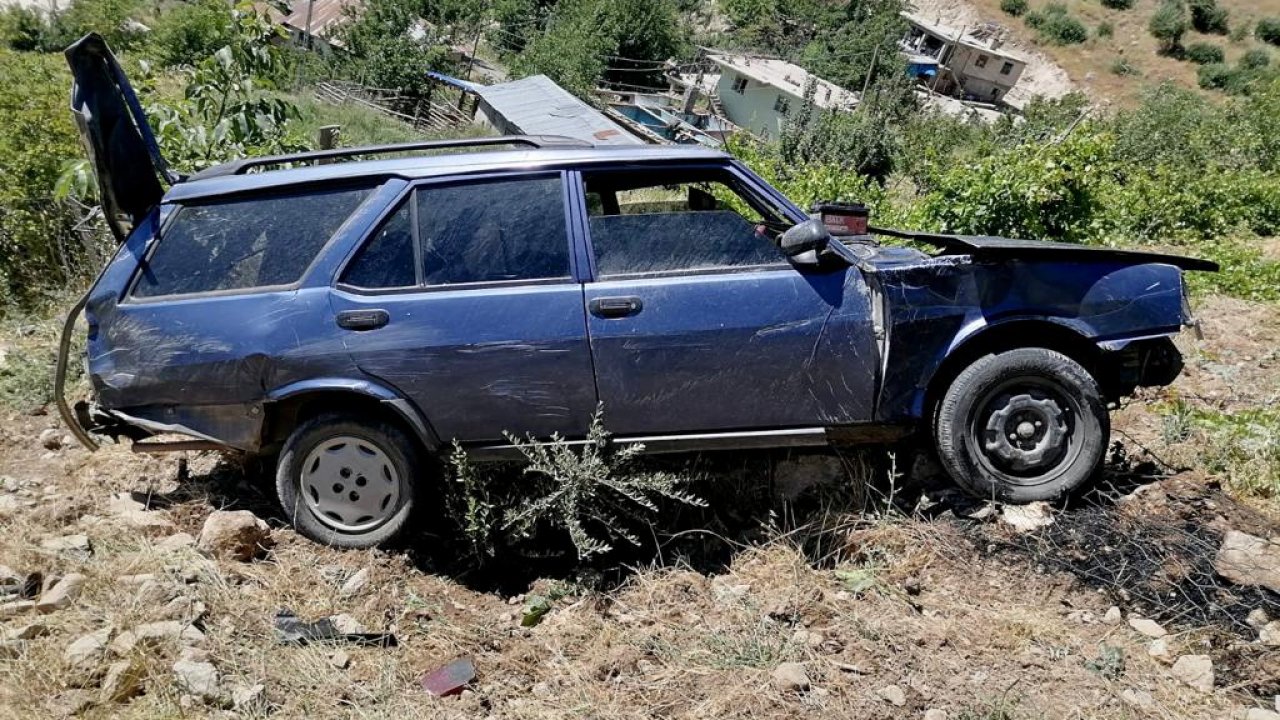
(347, 480)
(1023, 425)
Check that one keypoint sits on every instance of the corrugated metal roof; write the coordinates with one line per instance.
(326, 16)
(537, 106)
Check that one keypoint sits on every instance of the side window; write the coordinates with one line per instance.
(245, 243)
(740, 84)
(981, 61)
(493, 231)
(648, 223)
(386, 260)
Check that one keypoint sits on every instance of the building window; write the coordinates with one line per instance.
(1006, 68)
(981, 61)
(782, 105)
(740, 84)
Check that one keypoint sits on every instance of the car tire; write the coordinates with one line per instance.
(347, 480)
(1023, 425)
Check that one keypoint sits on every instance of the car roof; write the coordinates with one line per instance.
(227, 180)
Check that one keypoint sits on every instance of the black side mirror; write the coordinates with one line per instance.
(804, 242)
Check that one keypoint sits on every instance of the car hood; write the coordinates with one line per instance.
(121, 146)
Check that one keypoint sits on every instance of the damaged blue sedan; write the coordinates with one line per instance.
(351, 319)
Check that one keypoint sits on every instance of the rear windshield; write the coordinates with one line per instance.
(247, 243)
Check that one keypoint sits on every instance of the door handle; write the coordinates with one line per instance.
(363, 319)
(615, 307)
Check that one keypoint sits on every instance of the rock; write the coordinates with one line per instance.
(1140, 699)
(238, 535)
(1150, 628)
(355, 584)
(809, 638)
(136, 515)
(123, 680)
(134, 580)
(156, 634)
(184, 609)
(30, 631)
(339, 660)
(12, 648)
(1196, 671)
(1027, 518)
(893, 695)
(1246, 559)
(77, 546)
(71, 703)
(346, 624)
(1113, 616)
(84, 657)
(793, 476)
(791, 677)
(1257, 618)
(729, 593)
(16, 607)
(62, 594)
(50, 439)
(175, 542)
(1159, 649)
(199, 679)
(935, 714)
(1269, 635)
(1260, 714)
(250, 699)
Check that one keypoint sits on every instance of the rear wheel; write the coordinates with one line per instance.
(1024, 425)
(347, 480)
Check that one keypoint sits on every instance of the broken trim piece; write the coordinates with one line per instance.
(60, 378)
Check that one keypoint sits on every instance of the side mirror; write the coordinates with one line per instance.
(804, 242)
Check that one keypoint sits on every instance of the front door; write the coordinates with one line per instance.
(465, 300)
(699, 324)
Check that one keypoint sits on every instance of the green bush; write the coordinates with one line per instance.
(1056, 25)
(1203, 53)
(1268, 30)
(1207, 17)
(1255, 59)
(1218, 76)
(1118, 4)
(1122, 67)
(1105, 29)
(190, 32)
(1016, 8)
(1168, 24)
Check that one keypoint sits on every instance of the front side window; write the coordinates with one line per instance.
(245, 243)
(678, 220)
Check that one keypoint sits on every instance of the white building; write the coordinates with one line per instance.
(970, 64)
(759, 94)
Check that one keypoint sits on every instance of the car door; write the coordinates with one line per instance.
(465, 299)
(698, 323)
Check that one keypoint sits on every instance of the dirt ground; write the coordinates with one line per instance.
(890, 614)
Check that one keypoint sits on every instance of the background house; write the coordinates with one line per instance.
(968, 64)
(760, 93)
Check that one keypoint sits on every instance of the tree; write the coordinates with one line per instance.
(1168, 24)
(381, 51)
(1207, 17)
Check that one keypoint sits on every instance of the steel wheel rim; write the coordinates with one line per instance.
(1026, 430)
(350, 484)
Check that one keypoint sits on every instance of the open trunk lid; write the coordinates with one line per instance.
(121, 146)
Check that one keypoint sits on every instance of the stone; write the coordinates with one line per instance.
(175, 542)
(156, 634)
(153, 592)
(184, 609)
(12, 648)
(346, 624)
(62, 594)
(1269, 635)
(729, 593)
(809, 638)
(50, 439)
(1196, 671)
(77, 546)
(250, 699)
(134, 580)
(893, 695)
(199, 679)
(30, 631)
(1113, 616)
(791, 677)
(123, 680)
(1150, 628)
(71, 703)
(136, 515)
(85, 656)
(935, 714)
(1257, 618)
(16, 607)
(1246, 559)
(237, 535)
(355, 584)
(339, 659)
(1159, 650)
(1027, 518)
(1260, 714)
(1140, 699)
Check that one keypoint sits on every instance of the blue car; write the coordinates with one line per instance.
(352, 319)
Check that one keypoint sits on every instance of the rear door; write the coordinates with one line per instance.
(465, 299)
(699, 324)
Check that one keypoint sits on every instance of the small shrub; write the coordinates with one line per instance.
(1239, 32)
(1218, 76)
(1056, 25)
(1105, 30)
(1255, 59)
(1168, 24)
(190, 32)
(1268, 30)
(1016, 8)
(1118, 4)
(1203, 53)
(1123, 68)
(1207, 17)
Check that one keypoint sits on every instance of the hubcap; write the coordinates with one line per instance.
(350, 484)
(1025, 431)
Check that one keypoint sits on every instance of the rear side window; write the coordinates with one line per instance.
(386, 260)
(253, 242)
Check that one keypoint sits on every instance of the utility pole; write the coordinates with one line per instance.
(866, 83)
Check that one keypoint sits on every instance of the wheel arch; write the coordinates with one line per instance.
(285, 407)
